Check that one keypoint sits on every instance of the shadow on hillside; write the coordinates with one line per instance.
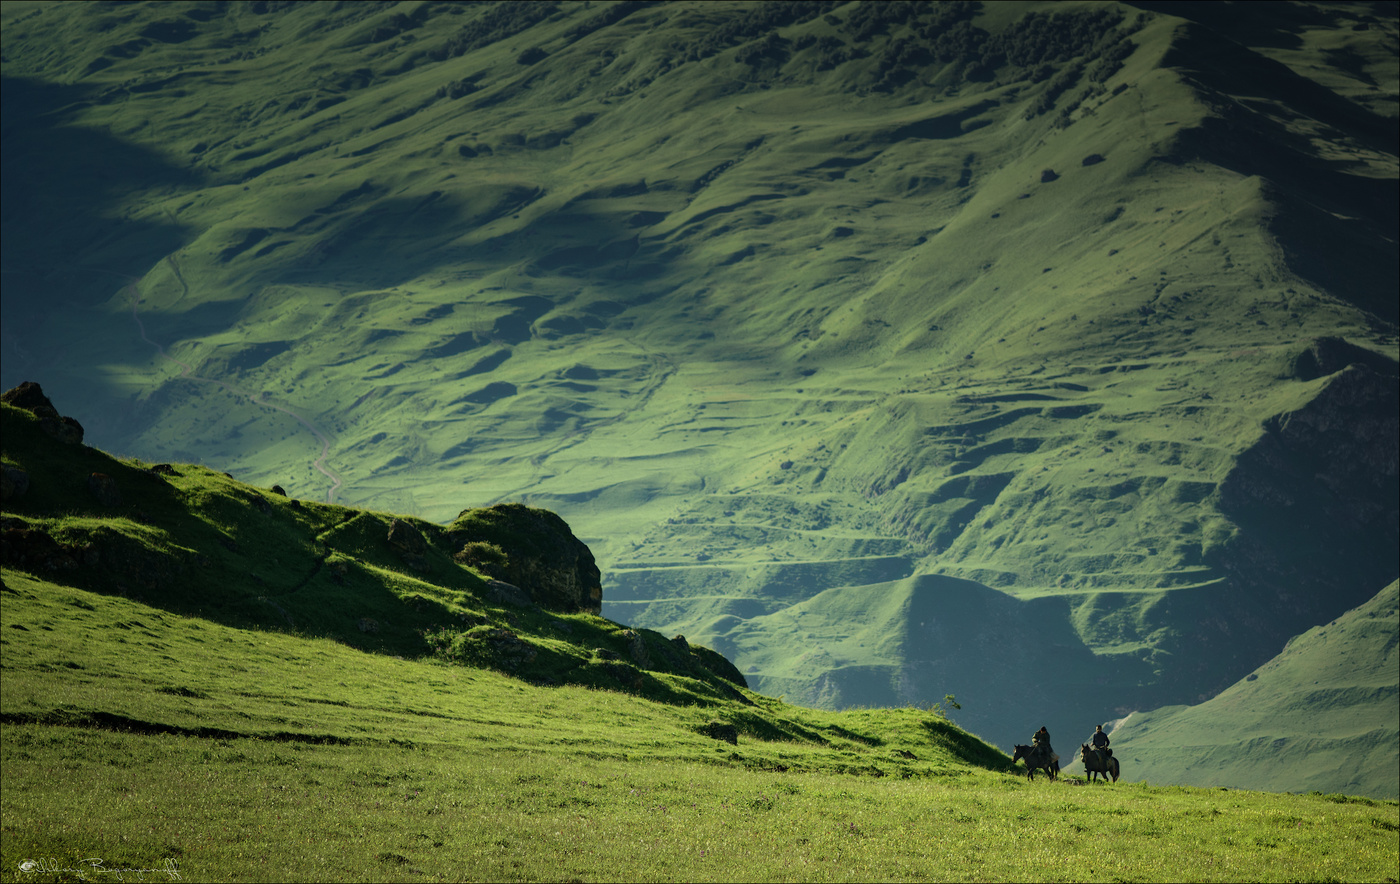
(1338, 226)
(63, 189)
(992, 651)
(1277, 28)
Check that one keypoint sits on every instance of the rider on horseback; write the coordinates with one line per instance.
(1041, 742)
(1100, 742)
(1041, 739)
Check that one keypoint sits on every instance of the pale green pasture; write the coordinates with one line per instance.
(137, 736)
(246, 809)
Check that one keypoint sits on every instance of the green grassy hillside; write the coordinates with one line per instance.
(196, 542)
(135, 738)
(186, 691)
(1320, 713)
(860, 341)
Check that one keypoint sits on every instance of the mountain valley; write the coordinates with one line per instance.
(1040, 354)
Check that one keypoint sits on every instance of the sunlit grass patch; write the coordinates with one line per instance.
(252, 754)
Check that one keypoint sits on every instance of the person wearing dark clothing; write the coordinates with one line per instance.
(1100, 739)
(1100, 742)
(1041, 740)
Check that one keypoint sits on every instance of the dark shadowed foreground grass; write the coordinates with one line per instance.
(164, 745)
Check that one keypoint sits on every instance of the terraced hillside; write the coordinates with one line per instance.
(1042, 354)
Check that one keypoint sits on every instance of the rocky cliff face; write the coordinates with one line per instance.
(534, 550)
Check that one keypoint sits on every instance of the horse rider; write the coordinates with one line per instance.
(1100, 742)
(1041, 740)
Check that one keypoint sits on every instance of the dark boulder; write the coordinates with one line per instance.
(104, 489)
(13, 483)
(33, 549)
(637, 648)
(409, 542)
(505, 649)
(501, 593)
(719, 665)
(64, 429)
(541, 555)
(625, 674)
(30, 397)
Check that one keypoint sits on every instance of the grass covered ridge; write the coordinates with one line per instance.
(143, 738)
(197, 542)
(1321, 712)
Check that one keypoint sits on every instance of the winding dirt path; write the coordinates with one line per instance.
(187, 372)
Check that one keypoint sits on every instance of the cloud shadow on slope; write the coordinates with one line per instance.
(63, 199)
(1337, 225)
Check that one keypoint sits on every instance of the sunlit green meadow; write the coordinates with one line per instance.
(166, 743)
(250, 810)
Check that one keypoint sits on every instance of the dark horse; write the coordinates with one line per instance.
(1098, 761)
(1037, 757)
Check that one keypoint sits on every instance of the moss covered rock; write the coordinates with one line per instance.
(541, 555)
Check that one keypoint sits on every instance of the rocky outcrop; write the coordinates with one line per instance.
(104, 490)
(637, 648)
(503, 648)
(541, 555)
(13, 483)
(30, 397)
(501, 593)
(408, 541)
(649, 650)
(718, 664)
(239, 568)
(625, 674)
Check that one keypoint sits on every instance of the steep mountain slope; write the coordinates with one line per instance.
(1320, 715)
(1043, 354)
